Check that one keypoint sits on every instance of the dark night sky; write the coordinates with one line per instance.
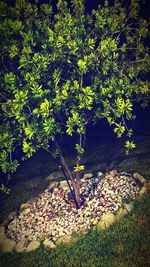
(92, 4)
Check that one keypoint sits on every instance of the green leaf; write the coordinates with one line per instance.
(13, 52)
(30, 130)
(45, 108)
(35, 111)
(119, 129)
(78, 168)
(48, 126)
(55, 153)
(28, 148)
(129, 145)
(56, 76)
(130, 132)
(82, 65)
(9, 78)
(4, 189)
(59, 42)
(79, 149)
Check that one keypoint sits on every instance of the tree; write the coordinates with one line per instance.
(64, 71)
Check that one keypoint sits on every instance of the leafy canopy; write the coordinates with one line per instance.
(63, 71)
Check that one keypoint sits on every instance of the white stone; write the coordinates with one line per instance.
(11, 216)
(52, 185)
(28, 210)
(33, 245)
(61, 233)
(100, 174)
(24, 206)
(113, 173)
(64, 185)
(94, 221)
(53, 232)
(56, 190)
(53, 215)
(48, 244)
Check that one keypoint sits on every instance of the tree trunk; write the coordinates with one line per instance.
(76, 187)
(75, 183)
(75, 180)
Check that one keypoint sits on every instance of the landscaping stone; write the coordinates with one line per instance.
(100, 174)
(67, 239)
(64, 185)
(48, 244)
(2, 233)
(52, 185)
(121, 212)
(128, 207)
(21, 246)
(87, 175)
(33, 245)
(106, 220)
(143, 190)
(11, 216)
(24, 206)
(53, 217)
(113, 173)
(138, 176)
(7, 245)
(32, 200)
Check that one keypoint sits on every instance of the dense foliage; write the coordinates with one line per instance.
(62, 71)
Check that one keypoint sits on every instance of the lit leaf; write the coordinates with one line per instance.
(79, 149)
(78, 168)
(129, 145)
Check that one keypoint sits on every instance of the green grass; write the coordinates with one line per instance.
(125, 244)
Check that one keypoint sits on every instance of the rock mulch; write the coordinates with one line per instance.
(52, 217)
